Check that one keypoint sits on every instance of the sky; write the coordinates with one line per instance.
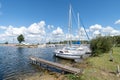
(42, 21)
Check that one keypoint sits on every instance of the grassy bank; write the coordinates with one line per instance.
(99, 68)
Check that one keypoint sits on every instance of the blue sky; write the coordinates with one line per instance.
(23, 13)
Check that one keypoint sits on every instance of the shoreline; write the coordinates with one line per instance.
(7, 44)
(20, 45)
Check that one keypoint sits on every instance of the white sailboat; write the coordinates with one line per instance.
(71, 52)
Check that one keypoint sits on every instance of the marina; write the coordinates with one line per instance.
(59, 40)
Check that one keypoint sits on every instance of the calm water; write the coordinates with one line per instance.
(14, 61)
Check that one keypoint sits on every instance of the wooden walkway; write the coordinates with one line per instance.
(62, 67)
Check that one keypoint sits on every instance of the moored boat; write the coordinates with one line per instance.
(67, 54)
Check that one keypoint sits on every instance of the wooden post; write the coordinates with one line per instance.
(39, 63)
(111, 57)
(35, 62)
(118, 71)
(63, 72)
(81, 56)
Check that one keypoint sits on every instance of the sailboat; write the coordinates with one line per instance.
(71, 52)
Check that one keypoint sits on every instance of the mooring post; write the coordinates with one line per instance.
(36, 62)
(111, 57)
(47, 67)
(39, 63)
(81, 56)
(63, 72)
(118, 71)
(33, 62)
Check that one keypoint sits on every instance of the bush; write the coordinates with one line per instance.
(116, 40)
(6, 42)
(100, 45)
(117, 45)
(75, 77)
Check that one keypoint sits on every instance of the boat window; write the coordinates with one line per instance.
(61, 51)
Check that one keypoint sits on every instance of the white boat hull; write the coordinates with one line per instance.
(67, 56)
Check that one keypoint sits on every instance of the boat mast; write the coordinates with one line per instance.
(70, 25)
(79, 33)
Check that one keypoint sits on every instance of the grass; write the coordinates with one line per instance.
(99, 68)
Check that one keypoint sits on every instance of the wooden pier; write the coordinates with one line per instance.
(62, 67)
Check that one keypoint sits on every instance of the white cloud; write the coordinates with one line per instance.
(69, 36)
(12, 31)
(37, 28)
(98, 29)
(34, 38)
(117, 22)
(50, 26)
(97, 32)
(110, 31)
(94, 30)
(56, 35)
(3, 38)
(3, 27)
(58, 31)
(107, 29)
(95, 27)
(115, 32)
(34, 31)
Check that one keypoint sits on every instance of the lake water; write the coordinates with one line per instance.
(14, 61)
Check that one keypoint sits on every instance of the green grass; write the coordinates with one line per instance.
(100, 68)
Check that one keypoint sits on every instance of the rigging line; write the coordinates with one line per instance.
(81, 23)
(70, 25)
(84, 29)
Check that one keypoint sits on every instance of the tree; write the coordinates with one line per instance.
(6, 42)
(20, 38)
(100, 45)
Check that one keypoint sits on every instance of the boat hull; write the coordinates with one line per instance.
(67, 56)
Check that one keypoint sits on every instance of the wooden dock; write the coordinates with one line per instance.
(62, 67)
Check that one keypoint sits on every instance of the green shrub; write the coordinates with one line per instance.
(6, 42)
(117, 45)
(100, 45)
(75, 77)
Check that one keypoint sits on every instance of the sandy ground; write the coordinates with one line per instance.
(43, 76)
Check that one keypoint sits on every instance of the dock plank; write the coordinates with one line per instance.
(57, 65)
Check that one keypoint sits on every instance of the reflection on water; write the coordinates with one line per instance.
(14, 61)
